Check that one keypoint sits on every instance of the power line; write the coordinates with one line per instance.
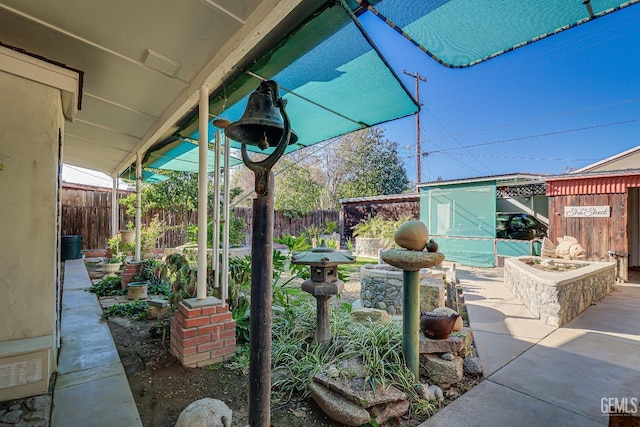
(521, 138)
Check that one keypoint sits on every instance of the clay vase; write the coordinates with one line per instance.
(437, 326)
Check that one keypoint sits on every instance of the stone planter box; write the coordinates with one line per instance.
(367, 247)
(381, 288)
(556, 297)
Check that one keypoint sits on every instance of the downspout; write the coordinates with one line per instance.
(203, 147)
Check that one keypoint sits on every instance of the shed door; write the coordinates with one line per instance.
(634, 227)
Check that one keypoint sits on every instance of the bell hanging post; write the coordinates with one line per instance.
(264, 124)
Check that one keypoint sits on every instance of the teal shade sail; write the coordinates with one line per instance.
(461, 33)
(333, 79)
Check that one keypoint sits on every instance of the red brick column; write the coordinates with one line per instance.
(130, 269)
(202, 332)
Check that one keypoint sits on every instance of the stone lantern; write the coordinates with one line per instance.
(324, 282)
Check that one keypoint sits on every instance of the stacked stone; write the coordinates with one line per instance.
(29, 412)
(445, 361)
(381, 288)
(339, 392)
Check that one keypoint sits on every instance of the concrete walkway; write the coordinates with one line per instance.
(91, 388)
(536, 375)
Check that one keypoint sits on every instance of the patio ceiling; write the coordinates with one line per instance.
(144, 61)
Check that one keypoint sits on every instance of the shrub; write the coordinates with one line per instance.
(107, 286)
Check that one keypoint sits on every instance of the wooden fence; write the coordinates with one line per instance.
(86, 211)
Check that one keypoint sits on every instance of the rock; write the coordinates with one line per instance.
(158, 312)
(447, 356)
(472, 365)
(453, 344)
(412, 235)
(337, 407)
(411, 260)
(353, 389)
(432, 246)
(11, 417)
(449, 311)
(36, 403)
(356, 305)
(370, 315)
(435, 393)
(205, 412)
(387, 411)
(36, 415)
(451, 276)
(15, 407)
(452, 393)
(442, 371)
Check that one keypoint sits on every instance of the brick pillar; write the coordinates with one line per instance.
(130, 269)
(202, 332)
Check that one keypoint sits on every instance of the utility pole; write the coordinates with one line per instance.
(418, 79)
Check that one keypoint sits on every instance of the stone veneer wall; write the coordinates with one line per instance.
(557, 297)
(381, 288)
(367, 247)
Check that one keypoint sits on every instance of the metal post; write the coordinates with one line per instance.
(203, 151)
(224, 282)
(261, 301)
(138, 204)
(411, 320)
(114, 206)
(215, 250)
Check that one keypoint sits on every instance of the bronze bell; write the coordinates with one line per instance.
(261, 124)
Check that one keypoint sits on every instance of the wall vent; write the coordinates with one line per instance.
(20, 373)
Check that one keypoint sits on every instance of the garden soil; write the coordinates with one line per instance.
(162, 387)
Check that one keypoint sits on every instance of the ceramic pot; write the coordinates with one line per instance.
(127, 236)
(111, 268)
(437, 326)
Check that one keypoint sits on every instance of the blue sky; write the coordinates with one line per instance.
(565, 101)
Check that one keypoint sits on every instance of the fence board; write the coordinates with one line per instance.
(88, 213)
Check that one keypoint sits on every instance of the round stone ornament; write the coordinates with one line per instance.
(412, 235)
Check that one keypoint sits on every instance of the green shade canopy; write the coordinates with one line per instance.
(333, 79)
(461, 33)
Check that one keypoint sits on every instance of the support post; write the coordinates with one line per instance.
(323, 326)
(411, 320)
(203, 151)
(114, 206)
(138, 204)
(215, 250)
(224, 282)
(261, 301)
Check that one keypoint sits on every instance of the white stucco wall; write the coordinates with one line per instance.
(30, 121)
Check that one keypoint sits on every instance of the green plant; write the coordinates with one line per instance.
(107, 286)
(237, 228)
(115, 259)
(136, 309)
(241, 314)
(150, 234)
(177, 271)
(378, 227)
(116, 245)
(350, 245)
(330, 227)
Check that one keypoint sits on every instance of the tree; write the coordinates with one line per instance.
(297, 192)
(368, 165)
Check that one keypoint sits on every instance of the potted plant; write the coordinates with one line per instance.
(112, 265)
(129, 234)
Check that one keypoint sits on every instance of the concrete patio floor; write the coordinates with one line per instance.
(91, 388)
(536, 375)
